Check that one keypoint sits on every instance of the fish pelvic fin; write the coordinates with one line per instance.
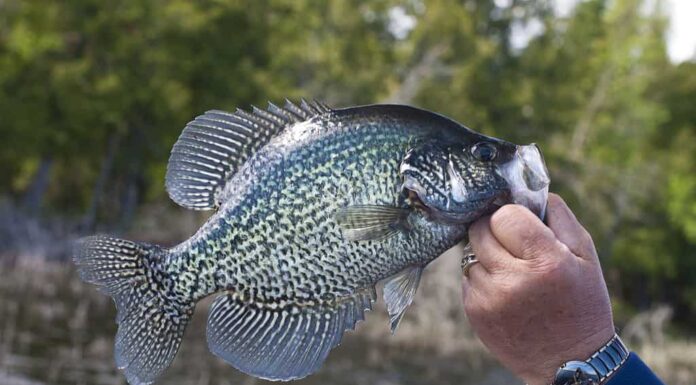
(215, 145)
(150, 325)
(399, 291)
(283, 342)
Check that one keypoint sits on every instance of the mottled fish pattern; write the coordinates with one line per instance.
(312, 211)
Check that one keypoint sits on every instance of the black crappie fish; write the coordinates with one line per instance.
(315, 206)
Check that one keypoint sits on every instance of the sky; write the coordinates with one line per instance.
(681, 37)
(682, 33)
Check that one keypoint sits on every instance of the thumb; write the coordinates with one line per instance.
(522, 233)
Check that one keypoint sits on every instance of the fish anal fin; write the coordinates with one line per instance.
(281, 343)
(399, 291)
(371, 222)
(213, 147)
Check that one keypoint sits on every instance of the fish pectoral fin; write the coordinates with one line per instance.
(399, 291)
(284, 342)
(215, 145)
(371, 222)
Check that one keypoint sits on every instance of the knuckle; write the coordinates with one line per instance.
(554, 267)
(505, 280)
(536, 243)
(555, 271)
(505, 216)
(507, 289)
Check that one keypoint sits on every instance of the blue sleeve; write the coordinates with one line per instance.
(634, 372)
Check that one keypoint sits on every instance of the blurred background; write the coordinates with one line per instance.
(93, 94)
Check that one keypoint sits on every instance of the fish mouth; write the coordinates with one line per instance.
(528, 179)
(527, 184)
(415, 194)
(414, 200)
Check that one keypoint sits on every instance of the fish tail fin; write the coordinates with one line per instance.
(151, 319)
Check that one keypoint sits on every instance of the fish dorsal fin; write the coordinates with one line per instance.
(214, 146)
(399, 291)
(371, 222)
(283, 342)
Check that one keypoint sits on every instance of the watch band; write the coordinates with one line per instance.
(596, 369)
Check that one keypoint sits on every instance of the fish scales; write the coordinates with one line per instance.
(314, 207)
(280, 244)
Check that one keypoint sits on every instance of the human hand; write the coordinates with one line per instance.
(537, 299)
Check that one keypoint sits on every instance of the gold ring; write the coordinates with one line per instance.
(467, 262)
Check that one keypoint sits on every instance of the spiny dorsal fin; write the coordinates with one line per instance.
(399, 291)
(214, 146)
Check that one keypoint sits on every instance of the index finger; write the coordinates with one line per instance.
(568, 229)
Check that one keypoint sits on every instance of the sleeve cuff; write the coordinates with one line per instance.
(634, 372)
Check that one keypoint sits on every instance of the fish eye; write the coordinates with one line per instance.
(484, 151)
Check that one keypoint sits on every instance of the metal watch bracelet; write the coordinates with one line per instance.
(596, 369)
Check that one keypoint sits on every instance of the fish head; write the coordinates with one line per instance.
(461, 182)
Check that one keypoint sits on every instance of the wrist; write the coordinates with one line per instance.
(595, 370)
(569, 350)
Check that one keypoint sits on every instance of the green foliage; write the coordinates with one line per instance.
(99, 91)
(679, 95)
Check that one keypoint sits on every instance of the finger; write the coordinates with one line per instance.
(468, 254)
(466, 288)
(475, 264)
(477, 280)
(477, 274)
(491, 254)
(568, 229)
(521, 232)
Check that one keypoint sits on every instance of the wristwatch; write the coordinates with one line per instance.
(596, 369)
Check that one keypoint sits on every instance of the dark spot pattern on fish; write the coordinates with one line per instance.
(314, 208)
